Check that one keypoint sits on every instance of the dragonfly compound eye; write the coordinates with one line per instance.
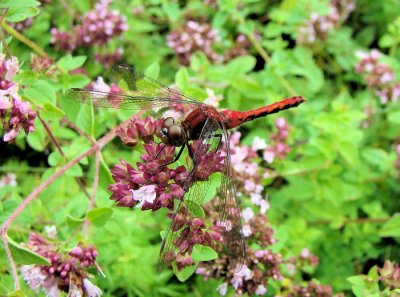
(168, 122)
(175, 135)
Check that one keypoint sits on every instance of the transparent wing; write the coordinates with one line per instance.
(135, 91)
(231, 214)
(208, 145)
(136, 83)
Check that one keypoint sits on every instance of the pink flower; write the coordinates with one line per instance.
(144, 194)
(259, 144)
(261, 290)
(222, 289)
(91, 289)
(248, 214)
(212, 99)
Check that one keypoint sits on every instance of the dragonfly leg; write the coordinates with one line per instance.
(158, 153)
(174, 160)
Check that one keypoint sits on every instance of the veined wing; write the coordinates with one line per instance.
(135, 91)
(136, 83)
(230, 213)
(207, 145)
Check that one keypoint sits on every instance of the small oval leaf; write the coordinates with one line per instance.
(22, 255)
(99, 216)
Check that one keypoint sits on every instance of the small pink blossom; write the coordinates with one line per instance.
(212, 99)
(144, 194)
(259, 143)
(261, 290)
(222, 289)
(248, 214)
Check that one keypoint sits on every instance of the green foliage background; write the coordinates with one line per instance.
(336, 193)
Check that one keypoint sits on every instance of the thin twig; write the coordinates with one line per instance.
(77, 129)
(4, 42)
(23, 39)
(11, 262)
(57, 145)
(92, 202)
(97, 146)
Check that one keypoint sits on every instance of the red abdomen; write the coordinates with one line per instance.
(236, 118)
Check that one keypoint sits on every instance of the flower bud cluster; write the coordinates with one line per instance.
(67, 271)
(15, 114)
(317, 27)
(191, 37)
(97, 27)
(378, 76)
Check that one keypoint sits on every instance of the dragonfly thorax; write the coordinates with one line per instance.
(172, 133)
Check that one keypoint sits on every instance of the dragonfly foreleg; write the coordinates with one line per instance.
(174, 160)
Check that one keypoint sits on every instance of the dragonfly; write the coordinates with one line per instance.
(205, 125)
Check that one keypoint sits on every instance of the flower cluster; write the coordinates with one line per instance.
(192, 231)
(139, 130)
(306, 258)
(42, 65)
(312, 289)
(389, 275)
(240, 48)
(8, 179)
(259, 266)
(153, 185)
(191, 37)
(378, 76)
(279, 148)
(246, 171)
(317, 27)
(67, 272)
(15, 114)
(97, 27)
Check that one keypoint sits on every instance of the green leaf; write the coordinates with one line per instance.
(182, 78)
(51, 111)
(240, 66)
(17, 293)
(394, 117)
(24, 256)
(185, 272)
(68, 62)
(21, 13)
(153, 70)
(172, 11)
(41, 92)
(18, 3)
(203, 253)
(73, 222)
(105, 177)
(213, 187)
(195, 209)
(99, 216)
(85, 119)
(391, 228)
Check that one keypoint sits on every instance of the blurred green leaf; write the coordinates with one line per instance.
(99, 216)
(22, 255)
(391, 228)
(68, 62)
(185, 272)
(203, 253)
(18, 3)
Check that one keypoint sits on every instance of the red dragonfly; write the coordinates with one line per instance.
(205, 125)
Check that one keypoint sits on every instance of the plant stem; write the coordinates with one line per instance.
(59, 149)
(17, 285)
(23, 39)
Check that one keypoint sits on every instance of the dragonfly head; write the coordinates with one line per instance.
(172, 133)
